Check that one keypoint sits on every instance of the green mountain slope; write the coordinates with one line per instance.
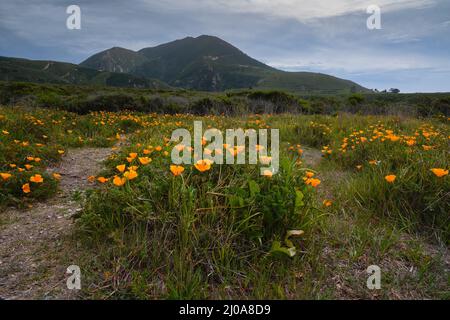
(208, 63)
(14, 69)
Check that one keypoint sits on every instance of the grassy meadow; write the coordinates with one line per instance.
(352, 191)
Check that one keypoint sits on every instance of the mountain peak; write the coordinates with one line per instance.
(208, 63)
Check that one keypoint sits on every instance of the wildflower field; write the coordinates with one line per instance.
(352, 191)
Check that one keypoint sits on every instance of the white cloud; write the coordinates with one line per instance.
(358, 61)
(302, 10)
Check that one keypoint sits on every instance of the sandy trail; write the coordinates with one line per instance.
(35, 244)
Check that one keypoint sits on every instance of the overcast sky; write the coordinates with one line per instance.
(411, 51)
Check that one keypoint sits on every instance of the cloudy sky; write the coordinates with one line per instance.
(411, 51)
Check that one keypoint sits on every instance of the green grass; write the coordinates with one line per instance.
(207, 235)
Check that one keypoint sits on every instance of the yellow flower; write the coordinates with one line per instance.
(176, 170)
(26, 188)
(57, 176)
(121, 167)
(119, 181)
(203, 165)
(390, 178)
(5, 176)
(438, 172)
(145, 160)
(61, 151)
(130, 175)
(37, 178)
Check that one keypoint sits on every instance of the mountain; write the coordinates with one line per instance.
(211, 64)
(15, 69)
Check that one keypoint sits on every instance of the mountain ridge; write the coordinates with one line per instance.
(48, 71)
(209, 63)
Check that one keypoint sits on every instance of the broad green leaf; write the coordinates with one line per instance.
(292, 233)
(277, 248)
(253, 187)
(299, 199)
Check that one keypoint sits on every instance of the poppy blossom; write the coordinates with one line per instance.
(26, 188)
(37, 178)
(309, 174)
(145, 160)
(327, 203)
(121, 167)
(438, 172)
(5, 176)
(130, 175)
(268, 173)
(118, 181)
(203, 165)
(102, 179)
(390, 178)
(313, 182)
(176, 170)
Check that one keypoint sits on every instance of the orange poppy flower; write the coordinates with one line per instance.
(438, 172)
(130, 175)
(5, 176)
(26, 188)
(309, 174)
(102, 179)
(118, 181)
(390, 178)
(121, 167)
(133, 155)
(268, 173)
(145, 160)
(37, 178)
(176, 170)
(327, 203)
(203, 165)
(91, 178)
(57, 176)
(313, 182)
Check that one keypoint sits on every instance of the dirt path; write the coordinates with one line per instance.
(35, 248)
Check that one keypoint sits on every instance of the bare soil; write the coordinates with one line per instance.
(35, 246)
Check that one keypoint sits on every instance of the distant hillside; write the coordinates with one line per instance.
(210, 64)
(14, 69)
